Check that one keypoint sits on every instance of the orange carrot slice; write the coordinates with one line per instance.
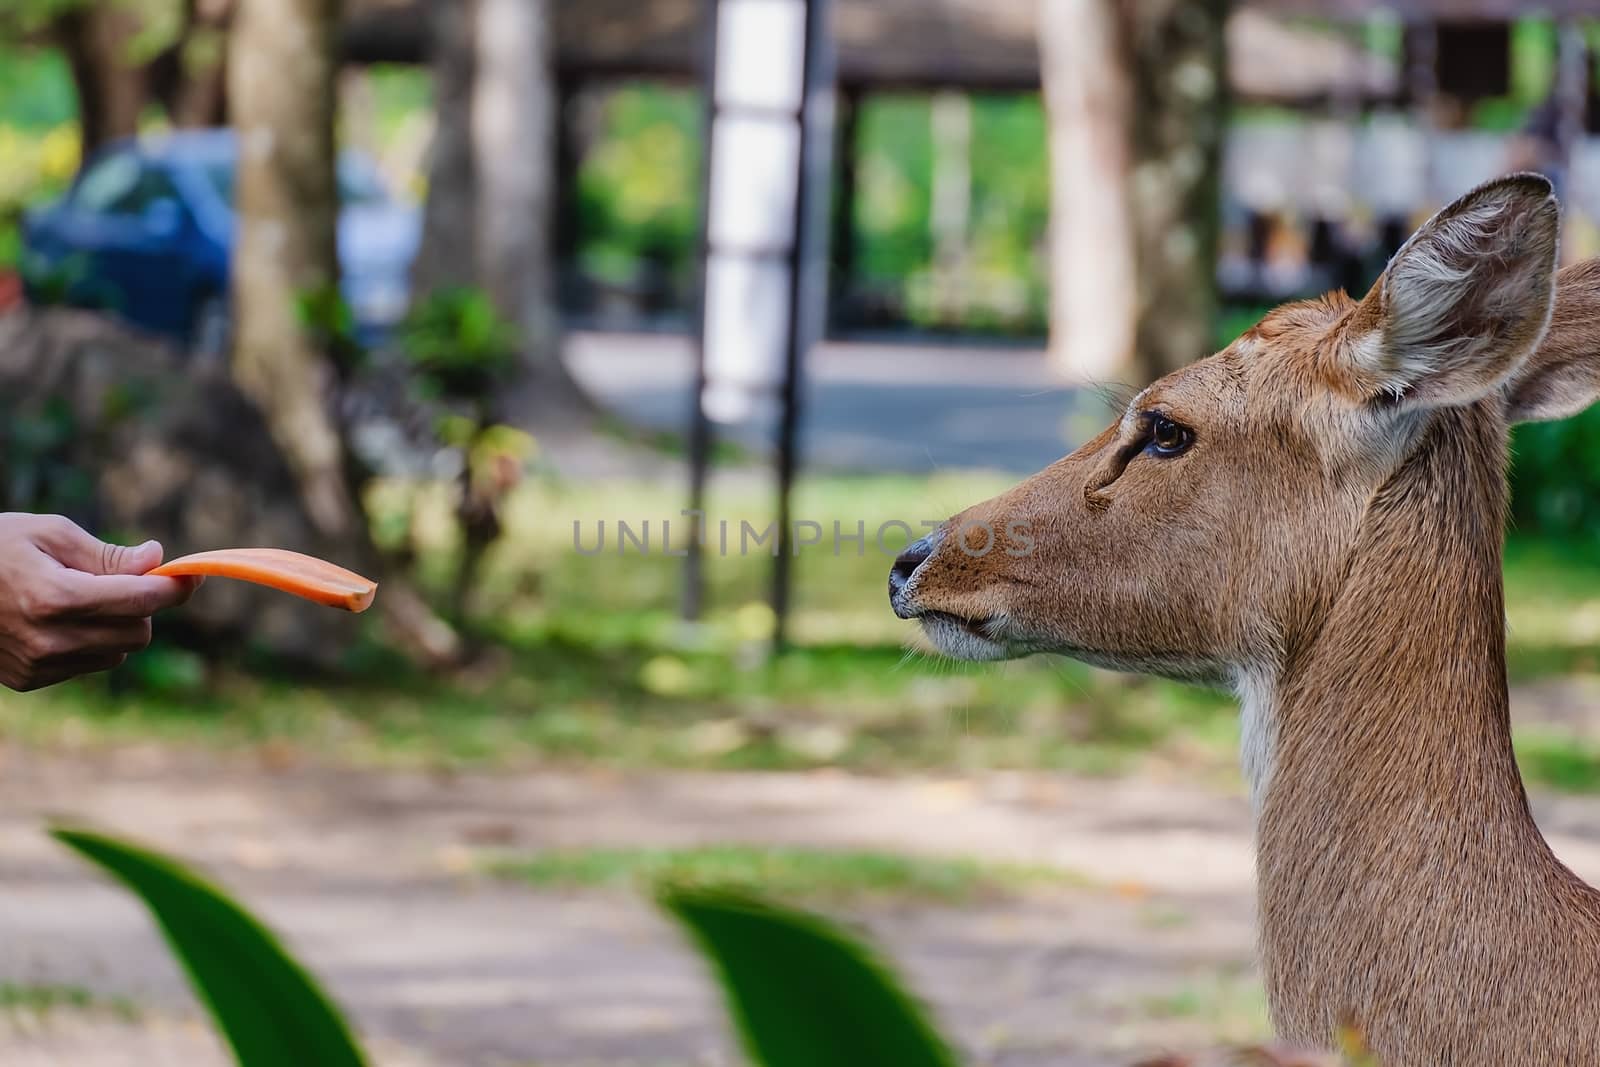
(305, 576)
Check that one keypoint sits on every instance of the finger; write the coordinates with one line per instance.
(119, 596)
(115, 637)
(68, 544)
(57, 671)
(58, 642)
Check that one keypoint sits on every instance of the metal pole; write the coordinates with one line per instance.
(808, 265)
(568, 153)
(700, 433)
(841, 251)
(1572, 100)
(1423, 81)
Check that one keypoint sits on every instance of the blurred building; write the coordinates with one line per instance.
(1352, 119)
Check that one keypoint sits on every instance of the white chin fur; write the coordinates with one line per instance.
(1258, 710)
(958, 642)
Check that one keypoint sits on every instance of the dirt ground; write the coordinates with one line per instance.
(370, 877)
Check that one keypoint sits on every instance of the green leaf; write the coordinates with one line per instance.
(802, 992)
(271, 1010)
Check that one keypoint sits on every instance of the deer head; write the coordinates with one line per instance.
(1207, 530)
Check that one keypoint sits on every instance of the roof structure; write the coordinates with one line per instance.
(980, 45)
(1431, 10)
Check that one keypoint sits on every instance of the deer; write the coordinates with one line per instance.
(1314, 518)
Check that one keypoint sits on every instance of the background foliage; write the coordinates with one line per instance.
(1555, 477)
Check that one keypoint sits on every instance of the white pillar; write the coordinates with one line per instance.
(754, 199)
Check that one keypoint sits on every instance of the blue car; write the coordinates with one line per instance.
(146, 231)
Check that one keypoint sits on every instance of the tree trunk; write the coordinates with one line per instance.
(198, 95)
(1134, 92)
(950, 212)
(284, 93)
(1180, 63)
(114, 85)
(449, 230)
(514, 136)
(283, 90)
(491, 210)
(112, 88)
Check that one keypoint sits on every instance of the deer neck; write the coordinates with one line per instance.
(1393, 713)
(1394, 808)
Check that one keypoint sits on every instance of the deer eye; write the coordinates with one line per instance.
(1168, 438)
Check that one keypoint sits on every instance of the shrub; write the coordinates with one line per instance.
(1555, 476)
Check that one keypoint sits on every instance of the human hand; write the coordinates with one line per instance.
(71, 604)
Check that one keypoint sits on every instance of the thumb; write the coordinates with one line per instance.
(72, 547)
(119, 559)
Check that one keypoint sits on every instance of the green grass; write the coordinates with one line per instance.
(1559, 761)
(799, 874)
(43, 999)
(634, 706)
(599, 669)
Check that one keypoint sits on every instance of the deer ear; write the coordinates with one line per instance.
(1562, 377)
(1462, 303)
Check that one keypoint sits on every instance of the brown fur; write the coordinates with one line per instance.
(1331, 544)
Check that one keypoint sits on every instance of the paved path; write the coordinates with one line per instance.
(880, 407)
(369, 876)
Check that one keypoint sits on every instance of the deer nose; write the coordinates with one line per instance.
(905, 565)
